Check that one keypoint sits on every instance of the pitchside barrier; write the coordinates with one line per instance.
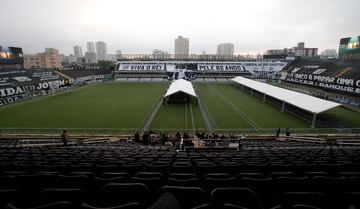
(226, 132)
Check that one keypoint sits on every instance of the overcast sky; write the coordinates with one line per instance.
(139, 26)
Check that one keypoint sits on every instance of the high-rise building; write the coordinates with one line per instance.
(111, 57)
(49, 59)
(90, 46)
(181, 47)
(68, 59)
(101, 50)
(118, 54)
(301, 45)
(298, 51)
(226, 49)
(90, 58)
(77, 51)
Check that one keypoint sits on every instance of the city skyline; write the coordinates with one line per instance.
(253, 26)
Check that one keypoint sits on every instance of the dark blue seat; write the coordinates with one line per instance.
(188, 197)
(235, 198)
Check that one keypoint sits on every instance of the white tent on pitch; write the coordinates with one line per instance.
(180, 88)
(306, 102)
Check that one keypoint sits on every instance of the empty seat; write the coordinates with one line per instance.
(150, 175)
(8, 182)
(115, 175)
(8, 196)
(211, 183)
(264, 188)
(161, 168)
(250, 175)
(314, 199)
(133, 205)
(183, 176)
(349, 200)
(235, 198)
(188, 197)
(216, 175)
(56, 205)
(203, 168)
(230, 167)
(282, 174)
(191, 182)
(153, 183)
(115, 194)
(75, 196)
(292, 184)
(133, 168)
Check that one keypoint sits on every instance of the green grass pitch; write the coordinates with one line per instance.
(231, 109)
(125, 105)
(179, 116)
(106, 105)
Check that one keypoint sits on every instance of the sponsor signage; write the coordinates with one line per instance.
(142, 67)
(253, 67)
(12, 94)
(342, 84)
(220, 67)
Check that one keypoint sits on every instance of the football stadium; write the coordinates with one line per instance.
(235, 127)
(195, 133)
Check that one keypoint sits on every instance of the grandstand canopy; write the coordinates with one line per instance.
(181, 86)
(306, 102)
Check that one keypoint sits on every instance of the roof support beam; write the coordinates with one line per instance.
(283, 106)
(313, 121)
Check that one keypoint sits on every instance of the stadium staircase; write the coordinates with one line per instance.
(62, 74)
(146, 123)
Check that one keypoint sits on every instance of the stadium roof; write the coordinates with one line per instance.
(181, 86)
(306, 102)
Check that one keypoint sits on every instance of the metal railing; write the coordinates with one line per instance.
(129, 131)
(189, 57)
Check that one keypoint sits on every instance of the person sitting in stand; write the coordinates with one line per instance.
(177, 136)
(137, 137)
(215, 136)
(287, 132)
(186, 135)
(197, 134)
(145, 138)
(64, 137)
(203, 136)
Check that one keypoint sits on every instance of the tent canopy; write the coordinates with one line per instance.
(306, 102)
(181, 85)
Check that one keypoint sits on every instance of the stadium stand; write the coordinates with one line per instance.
(77, 74)
(336, 80)
(332, 68)
(120, 174)
(21, 84)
